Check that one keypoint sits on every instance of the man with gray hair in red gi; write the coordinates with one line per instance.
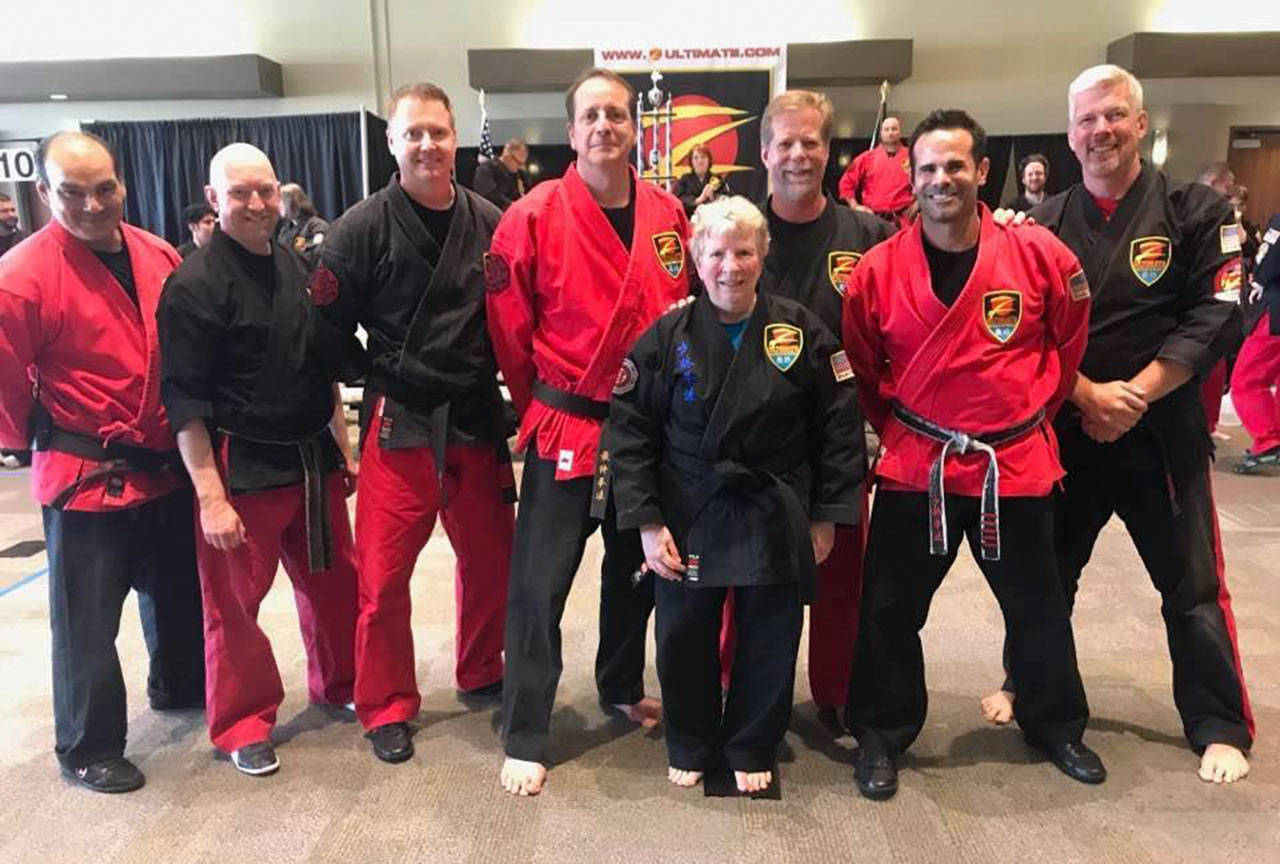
(578, 269)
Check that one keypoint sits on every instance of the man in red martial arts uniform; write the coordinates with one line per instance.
(879, 180)
(77, 315)
(965, 338)
(578, 269)
(262, 435)
(407, 263)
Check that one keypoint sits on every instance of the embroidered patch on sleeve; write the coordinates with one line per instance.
(497, 272)
(323, 286)
(1229, 239)
(626, 380)
(1228, 279)
(840, 366)
(1078, 285)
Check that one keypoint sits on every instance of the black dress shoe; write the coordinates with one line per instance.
(113, 774)
(1075, 760)
(876, 775)
(391, 742)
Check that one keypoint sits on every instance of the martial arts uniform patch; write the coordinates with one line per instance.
(839, 265)
(323, 286)
(565, 462)
(1229, 239)
(841, 367)
(1078, 285)
(1001, 313)
(497, 272)
(626, 380)
(782, 345)
(670, 251)
(299, 243)
(1149, 258)
(1228, 279)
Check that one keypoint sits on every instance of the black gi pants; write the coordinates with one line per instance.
(94, 559)
(887, 696)
(1174, 525)
(768, 620)
(553, 523)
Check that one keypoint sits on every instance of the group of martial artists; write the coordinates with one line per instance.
(694, 389)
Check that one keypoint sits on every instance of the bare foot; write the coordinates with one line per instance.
(1222, 763)
(683, 778)
(523, 778)
(753, 781)
(998, 708)
(647, 712)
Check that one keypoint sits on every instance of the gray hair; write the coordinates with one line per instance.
(1106, 74)
(731, 213)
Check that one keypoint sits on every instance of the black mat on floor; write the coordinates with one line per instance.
(23, 549)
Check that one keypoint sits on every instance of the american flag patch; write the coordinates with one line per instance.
(1078, 285)
(1229, 239)
(840, 366)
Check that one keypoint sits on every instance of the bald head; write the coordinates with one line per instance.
(245, 194)
(79, 181)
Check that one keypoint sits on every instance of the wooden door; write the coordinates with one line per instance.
(1254, 155)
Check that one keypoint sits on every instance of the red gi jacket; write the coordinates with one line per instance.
(883, 180)
(67, 324)
(566, 300)
(1007, 347)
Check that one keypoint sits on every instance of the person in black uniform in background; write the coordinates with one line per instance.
(736, 446)
(1033, 175)
(503, 181)
(201, 222)
(1133, 436)
(300, 229)
(700, 186)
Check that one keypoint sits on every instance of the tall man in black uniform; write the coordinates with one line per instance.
(263, 437)
(815, 244)
(1134, 439)
(408, 264)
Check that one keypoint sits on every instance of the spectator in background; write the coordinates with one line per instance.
(201, 222)
(503, 180)
(11, 233)
(1033, 176)
(300, 228)
(700, 186)
(1219, 177)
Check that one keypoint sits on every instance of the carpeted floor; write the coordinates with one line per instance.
(969, 792)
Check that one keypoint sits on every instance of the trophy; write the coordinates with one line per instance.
(658, 117)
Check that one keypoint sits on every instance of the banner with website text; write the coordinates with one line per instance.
(718, 94)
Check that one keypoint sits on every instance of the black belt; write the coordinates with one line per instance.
(963, 443)
(570, 403)
(116, 459)
(315, 489)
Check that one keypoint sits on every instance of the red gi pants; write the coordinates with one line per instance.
(833, 618)
(396, 511)
(243, 688)
(1254, 386)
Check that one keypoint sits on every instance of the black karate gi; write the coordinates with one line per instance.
(303, 236)
(498, 184)
(1152, 269)
(809, 262)
(690, 186)
(735, 453)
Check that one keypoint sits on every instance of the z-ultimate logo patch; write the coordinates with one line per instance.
(670, 250)
(1149, 258)
(1001, 313)
(783, 344)
(839, 265)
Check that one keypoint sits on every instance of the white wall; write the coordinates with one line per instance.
(1008, 63)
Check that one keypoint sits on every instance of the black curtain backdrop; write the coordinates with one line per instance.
(381, 163)
(166, 163)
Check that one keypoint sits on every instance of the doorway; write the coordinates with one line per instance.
(1254, 155)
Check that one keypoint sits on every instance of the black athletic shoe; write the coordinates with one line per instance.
(257, 759)
(391, 742)
(1075, 760)
(1251, 462)
(113, 774)
(876, 774)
